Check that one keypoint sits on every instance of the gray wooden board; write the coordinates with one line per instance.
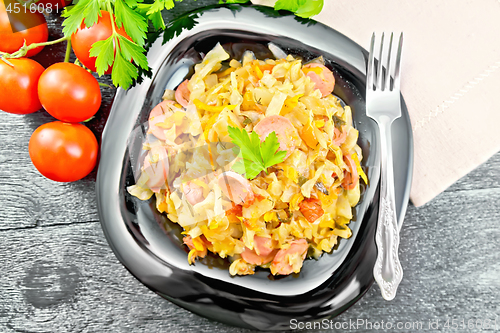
(59, 274)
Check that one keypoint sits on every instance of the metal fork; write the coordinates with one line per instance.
(383, 106)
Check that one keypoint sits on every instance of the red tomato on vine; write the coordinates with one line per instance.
(83, 39)
(63, 152)
(69, 93)
(16, 28)
(19, 85)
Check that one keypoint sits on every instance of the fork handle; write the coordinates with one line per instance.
(387, 270)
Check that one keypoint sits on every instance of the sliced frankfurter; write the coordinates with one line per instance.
(158, 115)
(281, 265)
(263, 245)
(321, 76)
(182, 93)
(193, 193)
(156, 167)
(339, 136)
(251, 257)
(285, 131)
(262, 253)
(235, 187)
(351, 178)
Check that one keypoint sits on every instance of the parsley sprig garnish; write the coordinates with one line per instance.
(142, 20)
(255, 156)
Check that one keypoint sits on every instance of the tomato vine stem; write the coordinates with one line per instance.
(25, 48)
(68, 51)
(5, 60)
(104, 85)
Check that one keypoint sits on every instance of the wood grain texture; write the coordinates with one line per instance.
(58, 273)
(67, 276)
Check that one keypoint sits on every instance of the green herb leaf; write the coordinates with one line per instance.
(84, 9)
(249, 144)
(133, 22)
(247, 168)
(310, 8)
(104, 51)
(291, 5)
(302, 180)
(123, 71)
(132, 51)
(269, 151)
(254, 155)
(302, 8)
(338, 122)
(247, 121)
(157, 21)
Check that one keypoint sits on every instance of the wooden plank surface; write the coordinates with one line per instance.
(59, 274)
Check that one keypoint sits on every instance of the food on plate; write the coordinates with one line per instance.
(256, 160)
(63, 152)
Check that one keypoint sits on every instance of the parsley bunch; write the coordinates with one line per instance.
(143, 21)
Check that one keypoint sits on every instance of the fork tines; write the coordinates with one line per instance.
(379, 78)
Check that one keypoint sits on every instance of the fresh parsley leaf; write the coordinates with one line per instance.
(249, 144)
(157, 21)
(134, 23)
(84, 9)
(310, 8)
(302, 8)
(268, 151)
(132, 51)
(247, 168)
(123, 71)
(132, 3)
(104, 51)
(291, 5)
(159, 5)
(254, 155)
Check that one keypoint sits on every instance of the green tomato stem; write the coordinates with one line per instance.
(6, 61)
(104, 85)
(68, 51)
(25, 48)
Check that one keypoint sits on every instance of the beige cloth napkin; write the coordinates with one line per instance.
(450, 78)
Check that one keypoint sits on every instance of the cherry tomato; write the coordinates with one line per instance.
(19, 86)
(15, 28)
(63, 152)
(83, 39)
(68, 92)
